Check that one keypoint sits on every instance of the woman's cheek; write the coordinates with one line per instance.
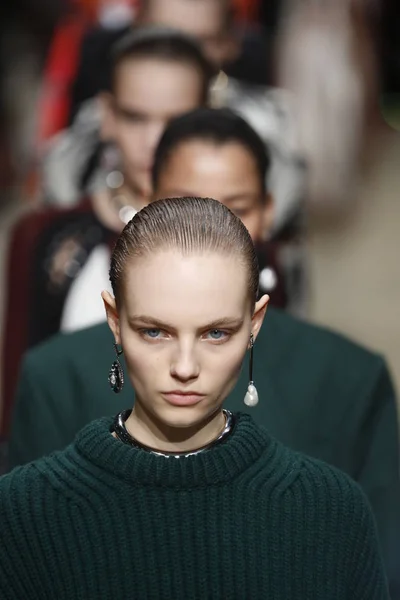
(229, 360)
(144, 362)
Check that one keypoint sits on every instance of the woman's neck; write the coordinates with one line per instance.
(150, 432)
(108, 203)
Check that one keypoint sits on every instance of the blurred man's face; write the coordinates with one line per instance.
(226, 172)
(205, 20)
(148, 93)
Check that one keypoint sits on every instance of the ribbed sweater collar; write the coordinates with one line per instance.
(220, 464)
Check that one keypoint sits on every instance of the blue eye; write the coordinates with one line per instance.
(152, 333)
(217, 334)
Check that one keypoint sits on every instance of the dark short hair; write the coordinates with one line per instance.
(218, 125)
(164, 44)
(188, 225)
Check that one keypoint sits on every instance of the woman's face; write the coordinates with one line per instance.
(226, 172)
(148, 93)
(184, 324)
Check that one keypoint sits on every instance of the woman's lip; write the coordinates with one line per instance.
(182, 399)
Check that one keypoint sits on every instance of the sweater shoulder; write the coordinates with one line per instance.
(65, 346)
(27, 477)
(54, 472)
(28, 489)
(317, 480)
(19, 487)
(292, 329)
(321, 493)
(326, 509)
(316, 348)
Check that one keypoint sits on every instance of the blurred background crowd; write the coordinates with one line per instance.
(319, 82)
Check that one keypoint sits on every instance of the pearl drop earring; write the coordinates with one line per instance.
(251, 397)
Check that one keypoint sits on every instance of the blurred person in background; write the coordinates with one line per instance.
(57, 258)
(26, 27)
(211, 22)
(324, 59)
(215, 153)
(326, 396)
(243, 84)
(353, 207)
(114, 14)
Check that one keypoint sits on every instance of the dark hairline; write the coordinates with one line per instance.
(160, 44)
(212, 141)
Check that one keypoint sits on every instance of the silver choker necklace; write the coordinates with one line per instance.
(119, 428)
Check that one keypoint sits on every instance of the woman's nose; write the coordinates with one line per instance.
(185, 365)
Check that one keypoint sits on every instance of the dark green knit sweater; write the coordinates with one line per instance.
(249, 519)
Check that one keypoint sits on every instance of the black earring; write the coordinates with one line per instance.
(251, 397)
(116, 374)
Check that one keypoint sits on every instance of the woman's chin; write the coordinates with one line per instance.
(186, 416)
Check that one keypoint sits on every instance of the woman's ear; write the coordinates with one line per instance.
(112, 315)
(260, 310)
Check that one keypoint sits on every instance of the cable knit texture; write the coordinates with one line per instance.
(249, 519)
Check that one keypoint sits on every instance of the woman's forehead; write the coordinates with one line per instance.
(197, 286)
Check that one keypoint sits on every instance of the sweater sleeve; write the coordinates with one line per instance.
(37, 427)
(365, 569)
(24, 443)
(380, 475)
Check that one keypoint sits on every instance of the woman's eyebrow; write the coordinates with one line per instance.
(152, 321)
(147, 320)
(224, 322)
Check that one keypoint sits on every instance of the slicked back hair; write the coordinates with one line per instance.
(190, 226)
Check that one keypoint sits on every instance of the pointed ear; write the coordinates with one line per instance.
(260, 310)
(107, 125)
(268, 216)
(112, 315)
